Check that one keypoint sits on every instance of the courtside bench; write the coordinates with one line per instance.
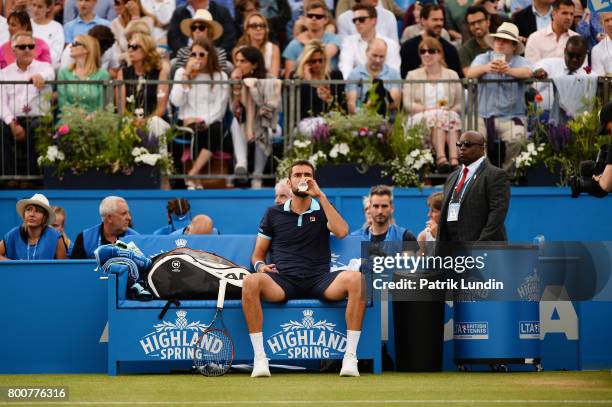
(293, 331)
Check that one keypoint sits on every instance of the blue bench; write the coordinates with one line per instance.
(293, 331)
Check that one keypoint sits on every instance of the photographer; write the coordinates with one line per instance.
(605, 119)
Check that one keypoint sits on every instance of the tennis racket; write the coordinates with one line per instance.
(213, 353)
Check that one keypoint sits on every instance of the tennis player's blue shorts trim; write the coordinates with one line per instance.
(312, 286)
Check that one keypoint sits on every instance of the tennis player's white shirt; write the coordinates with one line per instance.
(601, 57)
(554, 67)
(386, 24)
(354, 53)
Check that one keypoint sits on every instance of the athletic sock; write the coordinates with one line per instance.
(258, 346)
(352, 340)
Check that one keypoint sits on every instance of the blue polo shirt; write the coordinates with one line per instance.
(80, 27)
(294, 49)
(360, 73)
(299, 243)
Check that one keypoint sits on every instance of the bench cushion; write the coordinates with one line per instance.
(159, 304)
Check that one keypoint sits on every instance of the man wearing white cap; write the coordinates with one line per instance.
(34, 239)
(501, 106)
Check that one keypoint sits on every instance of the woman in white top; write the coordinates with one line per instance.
(256, 34)
(202, 106)
(132, 11)
(47, 29)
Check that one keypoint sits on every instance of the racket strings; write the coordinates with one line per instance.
(214, 352)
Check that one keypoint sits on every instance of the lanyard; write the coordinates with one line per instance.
(465, 185)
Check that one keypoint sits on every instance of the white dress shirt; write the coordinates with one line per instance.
(24, 100)
(543, 44)
(200, 100)
(554, 67)
(386, 24)
(601, 57)
(354, 53)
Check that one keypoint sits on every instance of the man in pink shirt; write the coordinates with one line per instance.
(550, 41)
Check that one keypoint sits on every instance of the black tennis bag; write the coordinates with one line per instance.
(187, 274)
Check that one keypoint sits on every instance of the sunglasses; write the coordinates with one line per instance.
(77, 44)
(23, 47)
(257, 26)
(574, 55)
(315, 61)
(199, 54)
(467, 144)
(315, 16)
(424, 51)
(199, 27)
(133, 47)
(360, 20)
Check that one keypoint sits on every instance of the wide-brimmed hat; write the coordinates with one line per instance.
(203, 15)
(507, 31)
(38, 200)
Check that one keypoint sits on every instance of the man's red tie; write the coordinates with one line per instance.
(461, 181)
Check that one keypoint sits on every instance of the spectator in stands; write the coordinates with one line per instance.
(86, 19)
(434, 203)
(148, 100)
(16, 5)
(103, 9)
(590, 26)
(256, 35)
(550, 41)
(179, 216)
(573, 63)
(162, 10)
(495, 18)
(108, 49)
(47, 29)
(354, 45)
(115, 224)
(501, 106)
(34, 239)
(202, 106)
(454, 12)
(177, 40)
(394, 6)
(382, 227)
(132, 10)
(282, 192)
(413, 25)
(368, 218)
(318, 99)
(59, 224)
(432, 19)
(256, 103)
(4, 31)
(374, 70)
(601, 55)
(316, 14)
(278, 15)
(478, 22)
(299, 265)
(437, 105)
(386, 24)
(85, 51)
(202, 26)
(534, 18)
(243, 9)
(19, 22)
(22, 105)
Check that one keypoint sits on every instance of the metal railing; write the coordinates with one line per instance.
(14, 154)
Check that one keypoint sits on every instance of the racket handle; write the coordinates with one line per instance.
(221, 297)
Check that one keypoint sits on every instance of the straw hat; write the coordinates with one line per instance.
(39, 200)
(507, 31)
(215, 29)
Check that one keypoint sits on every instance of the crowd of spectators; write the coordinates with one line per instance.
(258, 42)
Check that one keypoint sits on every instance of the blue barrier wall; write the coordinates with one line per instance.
(548, 211)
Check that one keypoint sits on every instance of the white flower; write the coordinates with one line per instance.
(343, 148)
(52, 153)
(137, 151)
(130, 99)
(334, 152)
(61, 156)
(147, 158)
(40, 159)
(319, 155)
(139, 112)
(301, 143)
(530, 147)
(414, 153)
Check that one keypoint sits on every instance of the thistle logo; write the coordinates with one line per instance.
(176, 340)
(471, 330)
(180, 242)
(307, 339)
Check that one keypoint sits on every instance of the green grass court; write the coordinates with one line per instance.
(300, 389)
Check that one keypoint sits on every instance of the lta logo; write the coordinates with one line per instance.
(176, 340)
(307, 339)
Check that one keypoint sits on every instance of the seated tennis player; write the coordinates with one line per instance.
(296, 234)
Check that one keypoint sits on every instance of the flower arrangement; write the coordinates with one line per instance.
(365, 138)
(101, 140)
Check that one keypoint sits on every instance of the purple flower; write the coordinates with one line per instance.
(321, 133)
(559, 136)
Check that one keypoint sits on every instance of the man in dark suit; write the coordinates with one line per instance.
(432, 19)
(476, 196)
(525, 19)
(177, 40)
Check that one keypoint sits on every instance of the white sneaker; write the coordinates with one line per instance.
(260, 367)
(349, 366)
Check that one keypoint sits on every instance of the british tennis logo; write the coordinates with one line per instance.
(307, 339)
(471, 330)
(176, 340)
